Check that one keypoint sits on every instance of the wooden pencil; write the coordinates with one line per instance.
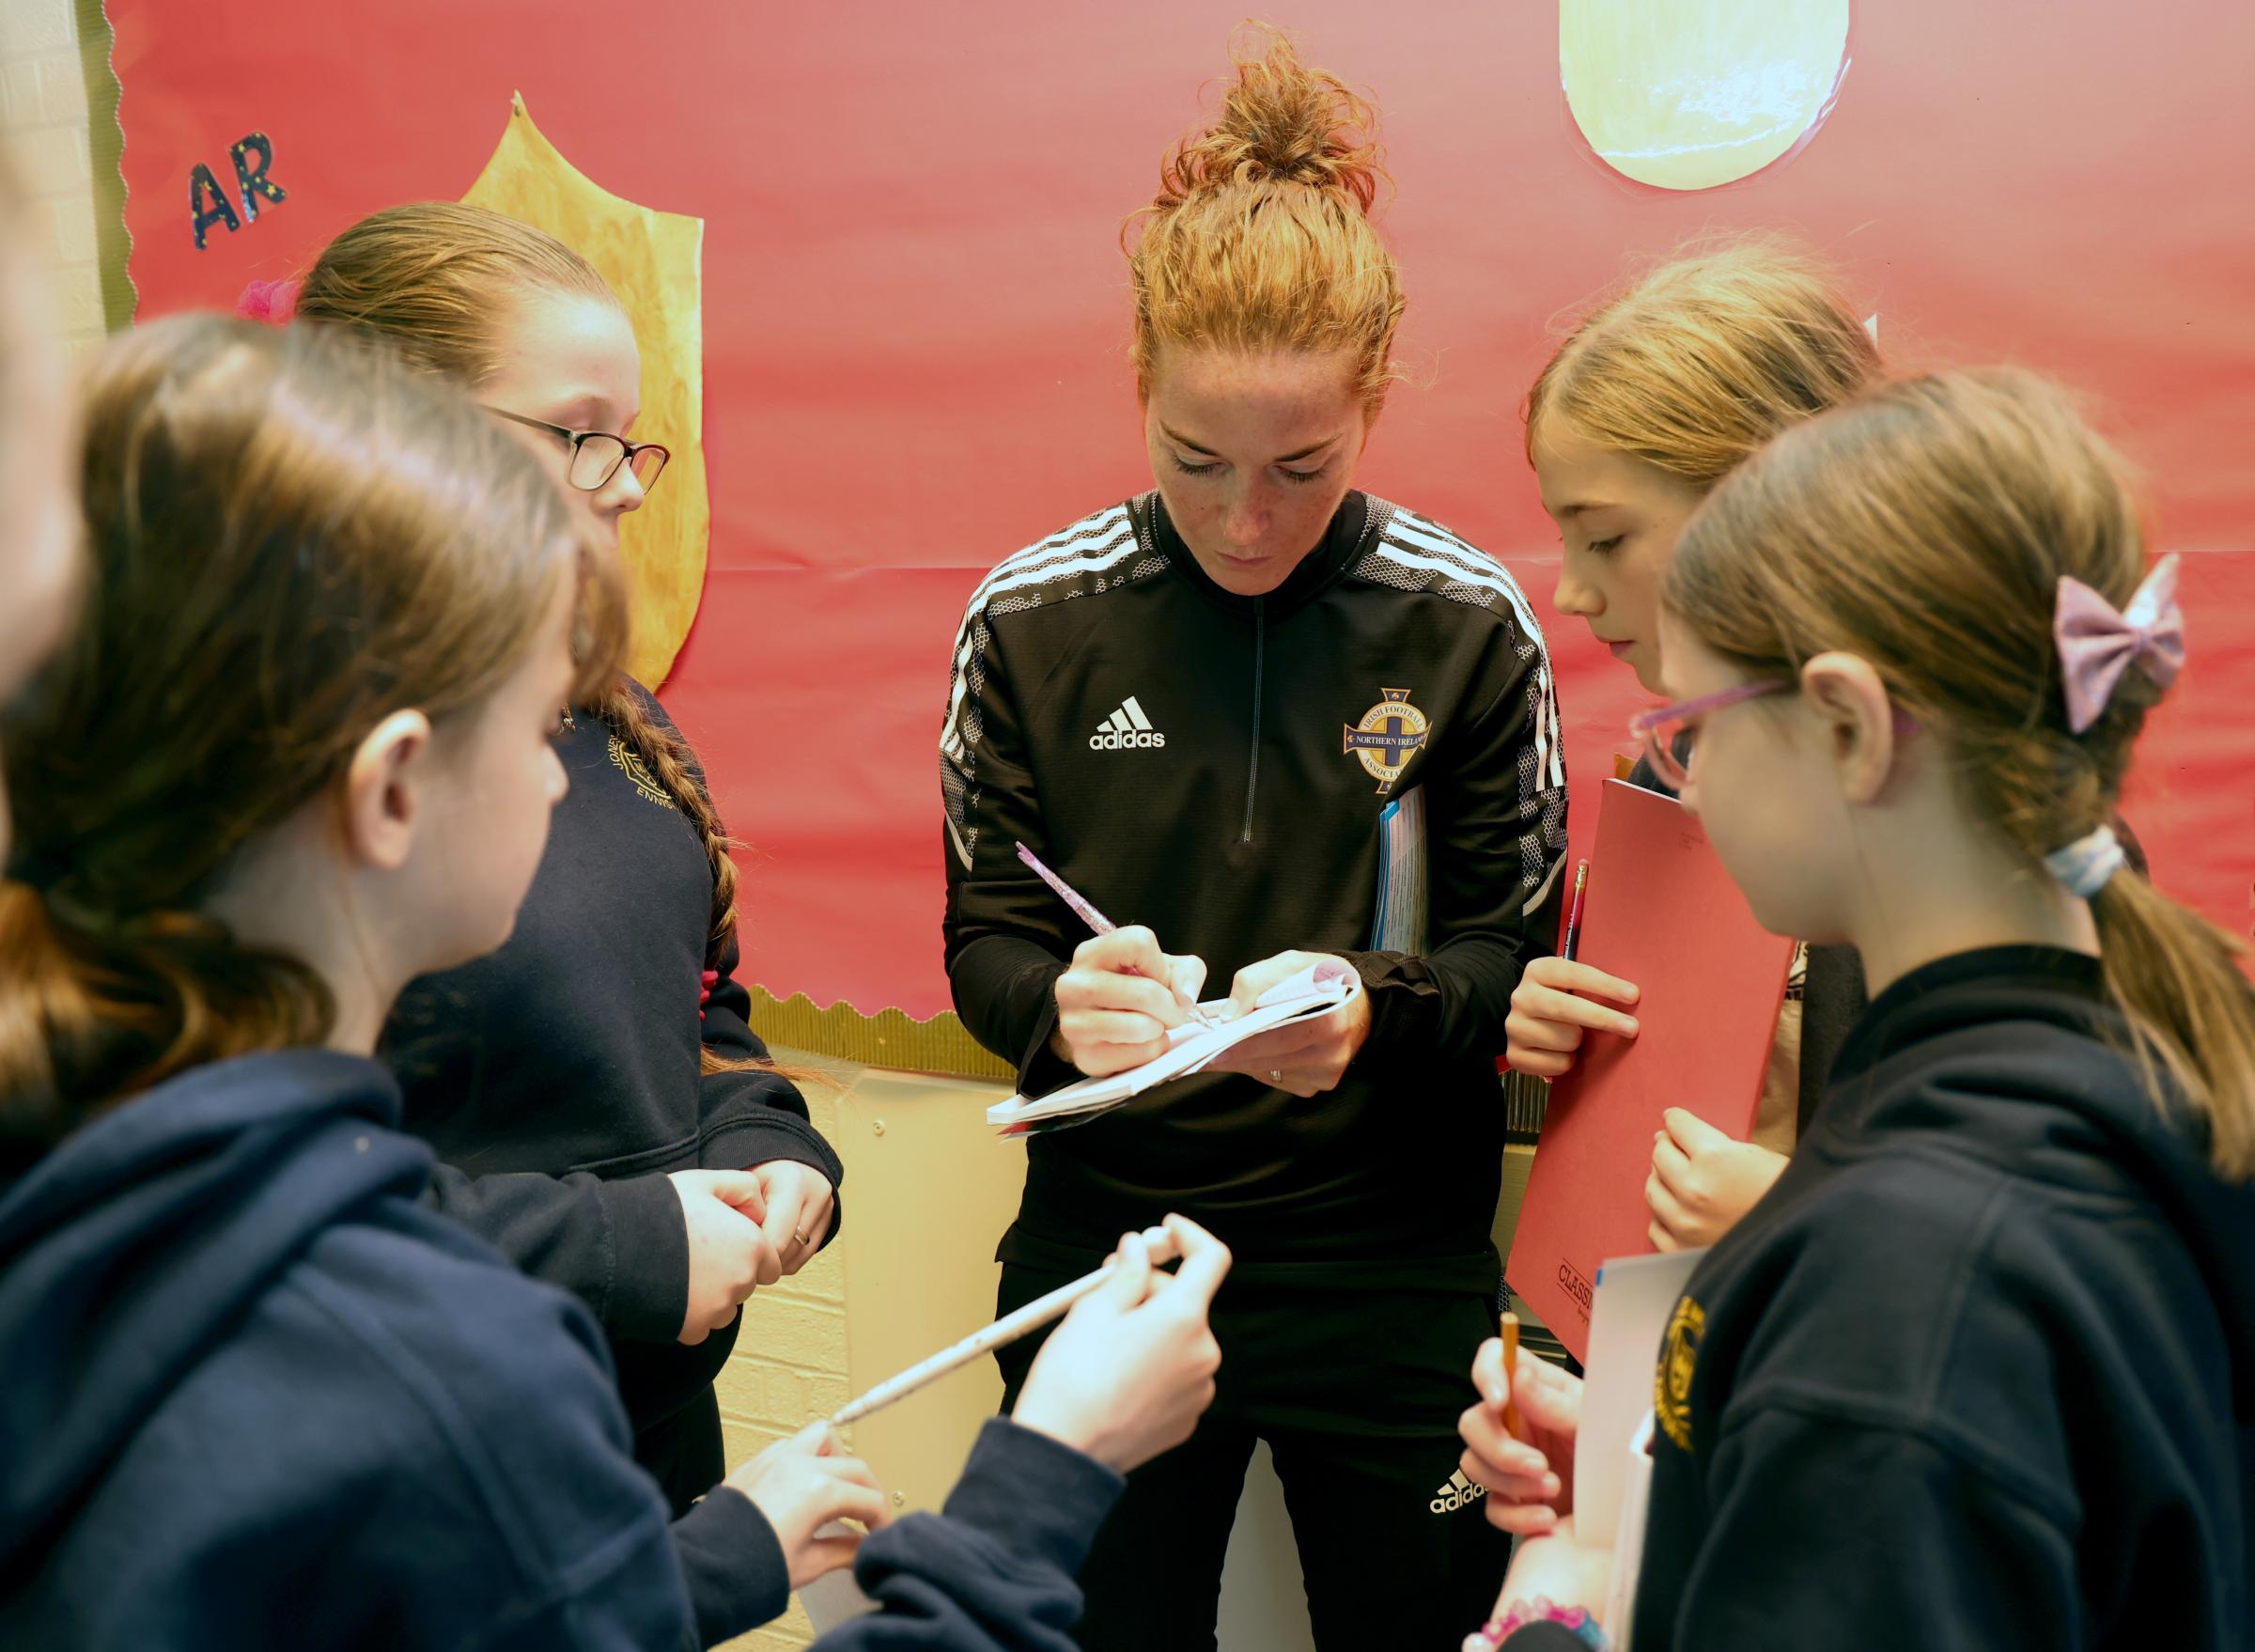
(1511, 1367)
(1008, 1328)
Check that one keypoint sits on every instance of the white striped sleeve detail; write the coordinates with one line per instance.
(1088, 546)
(1094, 545)
(1421, 544)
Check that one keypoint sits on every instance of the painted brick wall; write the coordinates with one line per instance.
(43, 116)
(789, 1363)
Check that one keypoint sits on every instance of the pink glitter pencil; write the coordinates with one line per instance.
(1067, 894)
(1093, 918)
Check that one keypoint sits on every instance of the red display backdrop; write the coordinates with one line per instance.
(916, 317)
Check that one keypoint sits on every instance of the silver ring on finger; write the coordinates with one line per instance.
(799, 1234)
(1276, 1076)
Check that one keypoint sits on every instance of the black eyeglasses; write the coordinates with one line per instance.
(596, 454)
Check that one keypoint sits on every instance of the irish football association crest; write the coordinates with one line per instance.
(1388, 737)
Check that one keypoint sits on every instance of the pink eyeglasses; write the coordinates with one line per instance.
(1665, 734)
(1668, 742)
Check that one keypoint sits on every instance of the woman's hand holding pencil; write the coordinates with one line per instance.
(1130, 1371)
(1106, 1022)
(1119, 1001)
(1527, 1464)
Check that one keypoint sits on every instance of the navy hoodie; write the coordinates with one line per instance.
(1979, 1369)
(259, 1394)
(558, 1078)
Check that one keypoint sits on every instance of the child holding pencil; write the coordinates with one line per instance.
(1974, 1373)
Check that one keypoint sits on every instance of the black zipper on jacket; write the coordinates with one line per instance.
(1252, 760)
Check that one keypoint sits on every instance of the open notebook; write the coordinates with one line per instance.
(1192, 1047)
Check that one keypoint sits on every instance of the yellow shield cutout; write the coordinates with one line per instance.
(654, 262)
(1688, 94)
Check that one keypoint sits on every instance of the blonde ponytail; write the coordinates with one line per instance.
(2177, 977)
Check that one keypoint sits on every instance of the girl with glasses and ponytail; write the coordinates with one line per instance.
(603, 1112)
(1974, 1371)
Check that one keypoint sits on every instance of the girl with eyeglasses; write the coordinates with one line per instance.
(604, 1113)
(1974, 1372)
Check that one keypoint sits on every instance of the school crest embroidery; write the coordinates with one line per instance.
(629, 763)
(1671, 1384)
(1390, 733)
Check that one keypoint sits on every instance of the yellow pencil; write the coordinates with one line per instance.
(1511, 1367)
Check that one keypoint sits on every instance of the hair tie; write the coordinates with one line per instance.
(2086, 864)
(272, 302)
(2099, 641)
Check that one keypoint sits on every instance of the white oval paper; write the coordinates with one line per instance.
(1688, 94)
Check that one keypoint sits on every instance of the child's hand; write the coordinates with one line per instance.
(802, 1483)
(1555, 1570)
(1703, 1182)
(1132, 1369)
(1547, 1020)
(800, 1203)
(1530, 1480)
(729, 1257)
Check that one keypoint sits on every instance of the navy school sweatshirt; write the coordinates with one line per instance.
(1979, 1369)
(260, 1393)
(559, 1078)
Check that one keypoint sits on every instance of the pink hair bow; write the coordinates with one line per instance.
(2099, 641)
(274, 302)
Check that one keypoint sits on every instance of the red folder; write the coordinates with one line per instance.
(1659, 911)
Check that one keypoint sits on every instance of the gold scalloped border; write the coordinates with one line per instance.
(887, 1038)
(106, 143)
(943, 1045)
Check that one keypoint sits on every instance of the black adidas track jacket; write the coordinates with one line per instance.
(1214, 766)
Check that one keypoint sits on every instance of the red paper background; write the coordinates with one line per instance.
(916, 317)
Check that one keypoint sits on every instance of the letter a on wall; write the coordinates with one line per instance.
(653, 261)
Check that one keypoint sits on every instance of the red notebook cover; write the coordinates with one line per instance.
(1659, 911)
